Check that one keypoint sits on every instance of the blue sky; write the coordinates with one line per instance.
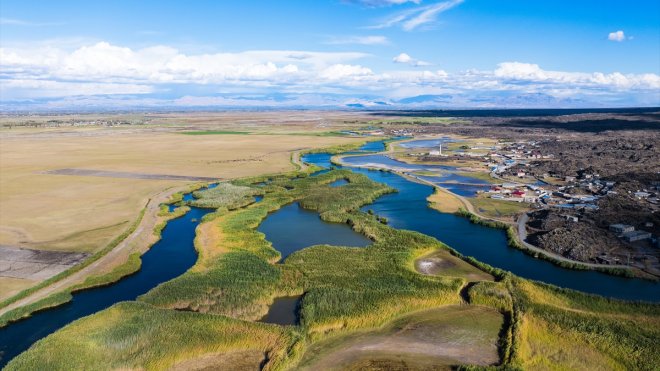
(451, 53)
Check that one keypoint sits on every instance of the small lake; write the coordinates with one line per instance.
(293, 228)
(426, 143)
(338, 183)
(166, 259)
(283, 311)
(408, 209)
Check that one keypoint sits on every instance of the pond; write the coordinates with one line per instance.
(338, 183)
(283, 311)
(293, 228)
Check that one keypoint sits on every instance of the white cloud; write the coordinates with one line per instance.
(359, 40)
(21, 22)
(616, 36)
(31, 72)
(411, 19)
(407, 59)
(343, 71)
(402, 58)
(534, 73)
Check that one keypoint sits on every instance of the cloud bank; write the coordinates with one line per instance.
(103, 69)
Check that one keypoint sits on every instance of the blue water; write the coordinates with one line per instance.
(408, 209)
(377, 146)
(168, 258)
(338, 183)
(387, 162)
(426, 143)
(283, 311)
(292, 228)
(445, 176)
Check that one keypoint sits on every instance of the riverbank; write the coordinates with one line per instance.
(345, 291)
(451, 200)
(135, 240)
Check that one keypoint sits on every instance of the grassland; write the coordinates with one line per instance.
(497, 208)
(112, 342)
(216, 132)
(444, 201)
(85, 213)
(373, 298)
(345, 289)
(481, 175)
(564, 329)
(431, 339)
(10, 286)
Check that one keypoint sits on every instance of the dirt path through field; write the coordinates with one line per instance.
(139, 240)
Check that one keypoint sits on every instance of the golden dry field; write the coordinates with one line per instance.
(84, 213)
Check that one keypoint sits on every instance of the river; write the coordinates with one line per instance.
(168, 258)
(408, 209)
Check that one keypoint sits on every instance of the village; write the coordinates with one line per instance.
(564, 210)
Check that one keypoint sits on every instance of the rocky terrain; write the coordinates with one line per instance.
(618, 148)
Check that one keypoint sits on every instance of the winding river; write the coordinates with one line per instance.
(168, 258)
(408, 209)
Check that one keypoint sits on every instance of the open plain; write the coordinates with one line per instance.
(74, 183)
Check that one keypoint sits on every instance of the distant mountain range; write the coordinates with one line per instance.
(300, 101)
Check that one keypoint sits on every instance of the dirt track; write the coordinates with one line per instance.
(140, 240)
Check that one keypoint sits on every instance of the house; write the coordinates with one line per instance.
(530, 199)
(621, 228)
(571, 218)
(633, 236)
(587, 198)
(642, 194)
(518, 193)
(521, 174)
(569, 179)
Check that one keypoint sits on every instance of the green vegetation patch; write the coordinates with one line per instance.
(374, 293)
(498, 208)
(132, 335)
(611, 329)
(225, 195)
(216, 132)
(398, 344)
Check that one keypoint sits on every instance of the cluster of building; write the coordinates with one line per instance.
(628, 233)
(76, 123)
(516, 192)
(650, 195)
